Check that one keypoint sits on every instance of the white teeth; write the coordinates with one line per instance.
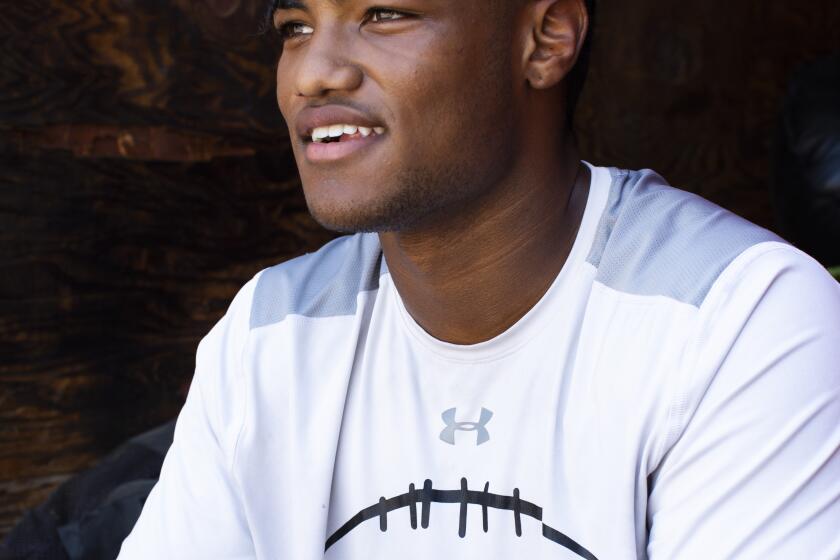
(321, 133)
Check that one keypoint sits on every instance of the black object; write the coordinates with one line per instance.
(807, 174)
(89, 516)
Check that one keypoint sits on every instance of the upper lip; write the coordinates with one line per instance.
(311, 118)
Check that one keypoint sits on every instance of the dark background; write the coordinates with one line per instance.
(145, 175)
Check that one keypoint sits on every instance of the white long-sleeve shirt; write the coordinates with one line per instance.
(674, 394)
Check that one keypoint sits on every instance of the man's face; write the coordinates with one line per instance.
(433, 82)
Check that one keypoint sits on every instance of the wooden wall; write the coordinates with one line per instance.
(145, 176)
(692, 89)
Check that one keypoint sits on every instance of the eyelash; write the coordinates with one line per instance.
(286, 29)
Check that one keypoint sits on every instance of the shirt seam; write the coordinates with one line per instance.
(678, 414)
(243, 379)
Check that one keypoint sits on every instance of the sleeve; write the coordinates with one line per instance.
(754, 471)
(194, 510)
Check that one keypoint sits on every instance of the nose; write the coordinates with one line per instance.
(325, 66)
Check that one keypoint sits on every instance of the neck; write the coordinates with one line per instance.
(469, 277)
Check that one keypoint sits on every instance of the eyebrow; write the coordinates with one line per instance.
(297, 5)
(274, 6)
(288, 5)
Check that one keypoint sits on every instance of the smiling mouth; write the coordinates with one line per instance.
(343, 133)
(336, 142)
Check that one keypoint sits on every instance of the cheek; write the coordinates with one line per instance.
(452, 114)
(428, 78)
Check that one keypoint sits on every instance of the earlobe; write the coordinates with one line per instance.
(559, 30)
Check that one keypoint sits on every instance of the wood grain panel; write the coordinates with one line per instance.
(116, 262)
(112, 272)
(136, 63)
(693, 90)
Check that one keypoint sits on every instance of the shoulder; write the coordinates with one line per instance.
(756, 414)
(654, 239)
(773, 286)
(319, 284)
(325, 283)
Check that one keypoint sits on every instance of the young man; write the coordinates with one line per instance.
(515, 354)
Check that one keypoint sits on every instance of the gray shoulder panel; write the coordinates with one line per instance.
(320, 284)
(654, 239)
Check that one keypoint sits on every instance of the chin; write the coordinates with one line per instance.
(399, 213)
(349, 214)
(405, 201)
(347, 222)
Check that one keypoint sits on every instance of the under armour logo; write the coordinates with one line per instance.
(448, 433)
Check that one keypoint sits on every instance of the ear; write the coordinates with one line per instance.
(558, 31)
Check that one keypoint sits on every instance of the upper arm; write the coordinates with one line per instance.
(194, 510)
(756, 470)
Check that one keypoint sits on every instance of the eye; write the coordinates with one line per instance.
(379, 15)
(293, 29)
